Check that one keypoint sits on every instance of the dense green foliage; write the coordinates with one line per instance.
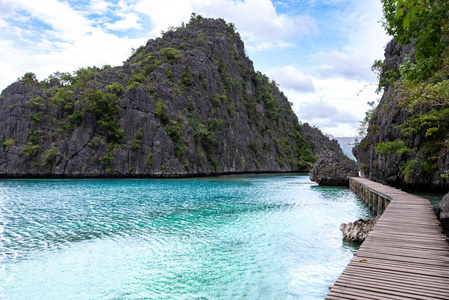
(105, 109)
(170, 53)
(425, 21)
(28, 78)
(64, 98)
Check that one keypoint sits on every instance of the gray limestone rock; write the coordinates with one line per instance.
(357, 231)
(443, 213)
(333, 169)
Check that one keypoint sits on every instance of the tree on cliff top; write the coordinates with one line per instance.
(425, 21)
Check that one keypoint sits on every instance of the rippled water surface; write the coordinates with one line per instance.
(232, 237)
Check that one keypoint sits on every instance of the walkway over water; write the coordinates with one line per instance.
(406, 256)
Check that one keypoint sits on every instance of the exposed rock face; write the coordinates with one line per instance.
(357, 231)
(383, 127)
(443, 213)
(188, 103)
(333, 169)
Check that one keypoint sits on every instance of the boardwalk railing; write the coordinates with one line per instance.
(405, 256)
(376, 200)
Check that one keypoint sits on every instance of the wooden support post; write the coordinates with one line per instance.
(367, 195)
(379, 206)
(375, 208)
(368, 200)
(362, 192)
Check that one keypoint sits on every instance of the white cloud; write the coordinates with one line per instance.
(78, 44)
(5, 7)
(89, 50)
(326, 113)
(67, 23)
(8, 64)
(164, 14)
(260, 46)
(351, 66)
(291, 78)
(339, 74)
(365, 41)
(256, 20)
(129, 22)
(99, 6)
(336, 105)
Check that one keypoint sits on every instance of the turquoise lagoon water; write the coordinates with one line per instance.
(231, 237)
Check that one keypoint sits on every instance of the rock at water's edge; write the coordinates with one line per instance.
(443, 213)
(357, 231)
(333, 169)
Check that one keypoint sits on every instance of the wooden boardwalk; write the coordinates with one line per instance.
(405, 256)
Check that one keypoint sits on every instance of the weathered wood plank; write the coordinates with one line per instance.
(382, 284)
(418, 280)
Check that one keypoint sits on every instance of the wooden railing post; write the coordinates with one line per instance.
(375, 208)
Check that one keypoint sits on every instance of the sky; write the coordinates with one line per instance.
(319, 52)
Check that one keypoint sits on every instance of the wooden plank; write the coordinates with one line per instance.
(353, 293)
(404, 242)
(430, 237)
(385, 285)
(379, 294)
(405, 270)
(402, 252)
(424, 247)
(337, 294)
(417, 280)
(372, 257)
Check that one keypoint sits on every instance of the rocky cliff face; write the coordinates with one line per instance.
(188, 103)
(442, 213)
(391, 169)
(333, 169)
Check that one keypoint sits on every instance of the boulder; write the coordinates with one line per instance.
(357, 231)
(443, 213)
(333, 169)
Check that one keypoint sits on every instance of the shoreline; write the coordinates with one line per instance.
(145, 176)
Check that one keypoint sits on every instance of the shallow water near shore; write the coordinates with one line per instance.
(270, 236)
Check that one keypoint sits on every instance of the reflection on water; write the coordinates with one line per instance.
(252, 237)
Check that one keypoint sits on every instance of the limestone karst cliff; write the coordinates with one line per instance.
(396, 151)
(187, 103)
